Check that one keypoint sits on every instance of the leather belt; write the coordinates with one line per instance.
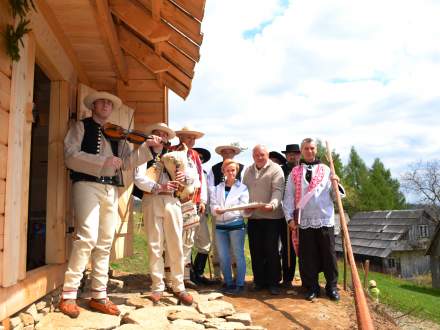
(159, 193)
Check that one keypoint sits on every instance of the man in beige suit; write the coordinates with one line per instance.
(93, 161)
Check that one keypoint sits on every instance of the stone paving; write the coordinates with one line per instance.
(209, 311)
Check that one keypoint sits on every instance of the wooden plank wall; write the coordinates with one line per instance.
(144, 94)
(17, 184)
(5, 93)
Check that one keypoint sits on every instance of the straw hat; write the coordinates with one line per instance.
(189, 131)
(160, 127)
(372, 283)
(219, 149)
(92, 97)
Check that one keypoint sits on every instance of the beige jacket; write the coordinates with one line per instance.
(266, 186)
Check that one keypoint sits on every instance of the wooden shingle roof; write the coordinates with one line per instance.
(379, 233)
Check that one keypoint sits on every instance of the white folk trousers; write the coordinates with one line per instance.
(163, 222)
(202, 238)
(96, 211)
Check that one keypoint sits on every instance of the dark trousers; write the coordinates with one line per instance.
(316, 254)
(288, 272)
(263, 245)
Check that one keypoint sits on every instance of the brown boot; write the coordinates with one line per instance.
(69, 307)
(106, 307)
(184, 297)
(156, 296)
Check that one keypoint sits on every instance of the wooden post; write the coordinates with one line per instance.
(362, 313)
(344, 251)
(366, 270)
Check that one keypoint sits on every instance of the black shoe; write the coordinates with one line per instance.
(333, 295)
(238, 290)
(189, 284)
(311, 295)
(205, 281)
(287, 285)
(274, 290)
(258, 287)
(227, 289)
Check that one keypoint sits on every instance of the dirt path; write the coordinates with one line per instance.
(291, 310)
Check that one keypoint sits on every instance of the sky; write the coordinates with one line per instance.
(354, 73)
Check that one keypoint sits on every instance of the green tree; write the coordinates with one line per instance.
(381, 191)
(322, 155)
(354, 178)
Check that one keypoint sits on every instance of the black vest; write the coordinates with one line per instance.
(91, 144)
(218, 175)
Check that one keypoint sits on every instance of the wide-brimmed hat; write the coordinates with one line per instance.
(160, 127)
(206, 155)
(92, 97)
(189, 131)
(291, 148)
(372, 283)
(277, 155)
(219, 149)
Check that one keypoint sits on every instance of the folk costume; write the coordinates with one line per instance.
(309, 189)
(95, 198)
(195, 172)
(288, 252)
(265, 185)
(162, 221)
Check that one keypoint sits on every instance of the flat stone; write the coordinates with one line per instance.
(27, 319)
(229, 326)
(184, 325)
(138, 302)
(32, 310)
(244, 318)
(124, 309)
(170, 300)
(15, 321)
(214, 323)
(251, 327)
(2, 327)
(209, 296)
(130, 327)
(38, 317)
(86, 320)
(19, 327)
(29, 327)
(216, 308)
(187, 315)
(148, 317)
(45, 311)
(40, 305)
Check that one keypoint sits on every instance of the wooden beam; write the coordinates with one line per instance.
(140, 20)
(176, 86)
(3, 161)
(50, 18)
(105, 19)
(143, 53)
(146, 56)
(179, 19)
(37, 284)
(137, 70)
(5, 18)
(16, 203)
(57, 180)
(180, 60)
(150, 85)
(195, 8)
(156, 9)
(2, 202)
(165, 105)
(144, 96)
(4, 126)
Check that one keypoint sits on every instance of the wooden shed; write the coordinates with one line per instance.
(394, 241)
(136, 49)
(434, 255)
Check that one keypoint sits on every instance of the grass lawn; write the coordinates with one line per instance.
(403, 295)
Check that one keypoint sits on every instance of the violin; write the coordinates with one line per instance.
(115, 132)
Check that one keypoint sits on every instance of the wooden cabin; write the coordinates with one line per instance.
(433, 252)
(394, 241)
(136, 49)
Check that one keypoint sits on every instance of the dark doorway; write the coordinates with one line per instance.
(36, 242)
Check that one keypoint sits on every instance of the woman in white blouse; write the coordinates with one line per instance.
(230, 226)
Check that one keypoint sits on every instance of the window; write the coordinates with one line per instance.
(423, 231)
(391, 263)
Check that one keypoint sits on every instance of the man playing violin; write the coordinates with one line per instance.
(93, 161)
(163, 220)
